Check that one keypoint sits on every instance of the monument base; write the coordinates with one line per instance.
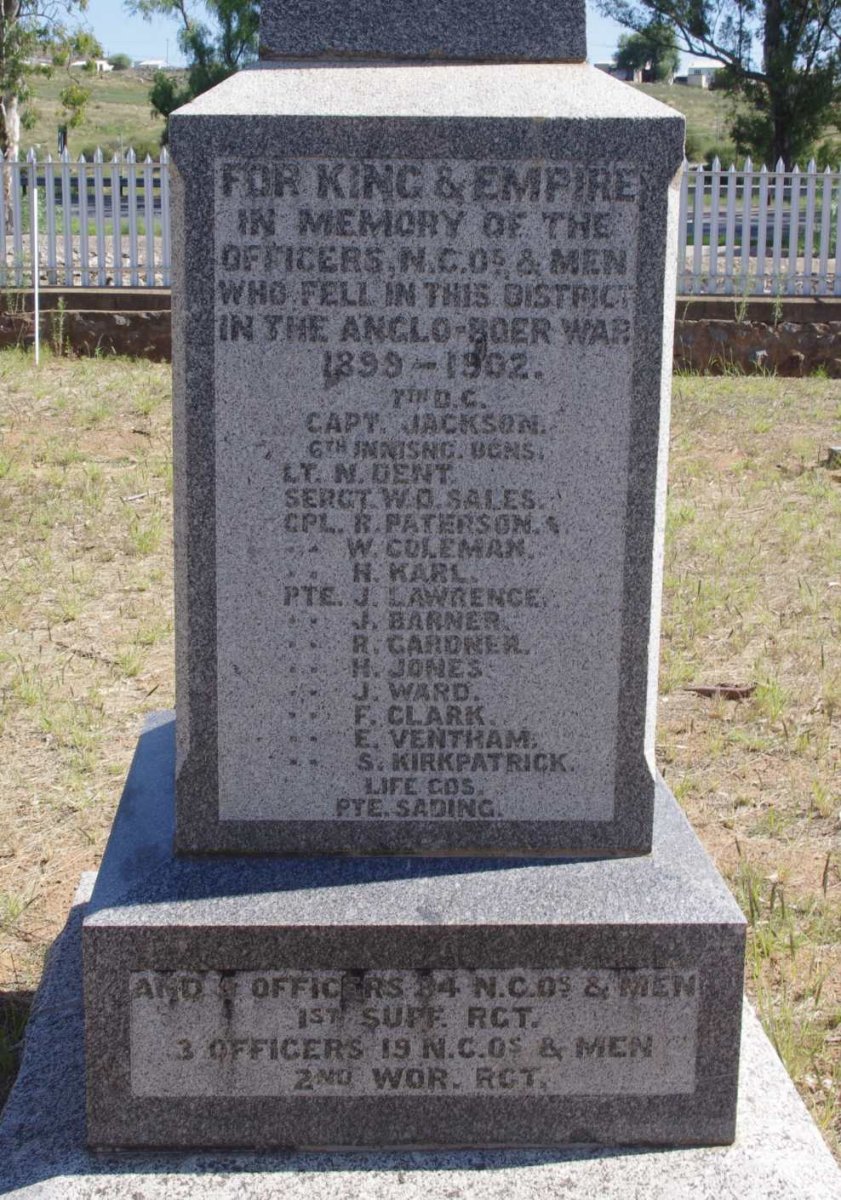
(778, 1150)
(350, 1003)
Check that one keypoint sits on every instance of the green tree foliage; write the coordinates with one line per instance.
(782, 59)
(120, 62)
(35, 36)
(213, 51)
(654, 49)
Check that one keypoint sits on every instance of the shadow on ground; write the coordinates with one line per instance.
(14, 1013)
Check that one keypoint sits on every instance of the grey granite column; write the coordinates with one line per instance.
(422, 375)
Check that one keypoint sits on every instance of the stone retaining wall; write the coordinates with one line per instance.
(132, 321)
(713, 334)
(789, 337)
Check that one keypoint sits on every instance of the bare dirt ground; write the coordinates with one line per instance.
(753, 598)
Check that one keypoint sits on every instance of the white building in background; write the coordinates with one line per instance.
(626, 74)
(702, 74)
(99, 64)
(151, 64)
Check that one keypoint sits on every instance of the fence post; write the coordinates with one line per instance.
(762, 231)
(793, 231)
(826, 222)
(49, 204)
(131, 171)
(747, 215)
(166, 227)
(67, 216)
(698, 231)
(779, 200)
(17, 217)
(117, 219)
(149, 220)
(683, 211)
(730, 229)
(715, 208)
(84, 233)
(99, 209)
(809, 227)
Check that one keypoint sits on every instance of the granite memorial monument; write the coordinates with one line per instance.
(404, 868)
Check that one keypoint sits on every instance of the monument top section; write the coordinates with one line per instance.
(443, 30)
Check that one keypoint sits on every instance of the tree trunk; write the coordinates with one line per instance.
(782, 141)
(775, 53)
(10, 124)
(9, 142)
(10, 13)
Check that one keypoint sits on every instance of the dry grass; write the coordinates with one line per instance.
(753, 595)
(85, 628)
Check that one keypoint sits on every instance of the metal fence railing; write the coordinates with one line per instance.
(106, 223)
(99, 223)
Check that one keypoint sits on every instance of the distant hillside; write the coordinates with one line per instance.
(707, 117)
(118, 114)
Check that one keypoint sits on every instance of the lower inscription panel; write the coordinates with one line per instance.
(301, 1033)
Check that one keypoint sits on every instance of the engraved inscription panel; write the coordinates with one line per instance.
(522, 1031)
(423, 381)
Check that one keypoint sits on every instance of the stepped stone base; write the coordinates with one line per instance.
(778, 1150)
(350, 1003)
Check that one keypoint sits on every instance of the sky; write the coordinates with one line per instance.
(121, 34)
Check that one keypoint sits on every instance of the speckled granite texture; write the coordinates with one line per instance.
(530, 30)
(778, 1153)
(588, 679)
(667, 913)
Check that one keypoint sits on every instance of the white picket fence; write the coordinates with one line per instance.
(101, 223)
(755, 232)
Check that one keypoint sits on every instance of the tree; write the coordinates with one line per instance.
(120, 62)
(33, 30)
(654, 49)
(781, 57)
(213, 53)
